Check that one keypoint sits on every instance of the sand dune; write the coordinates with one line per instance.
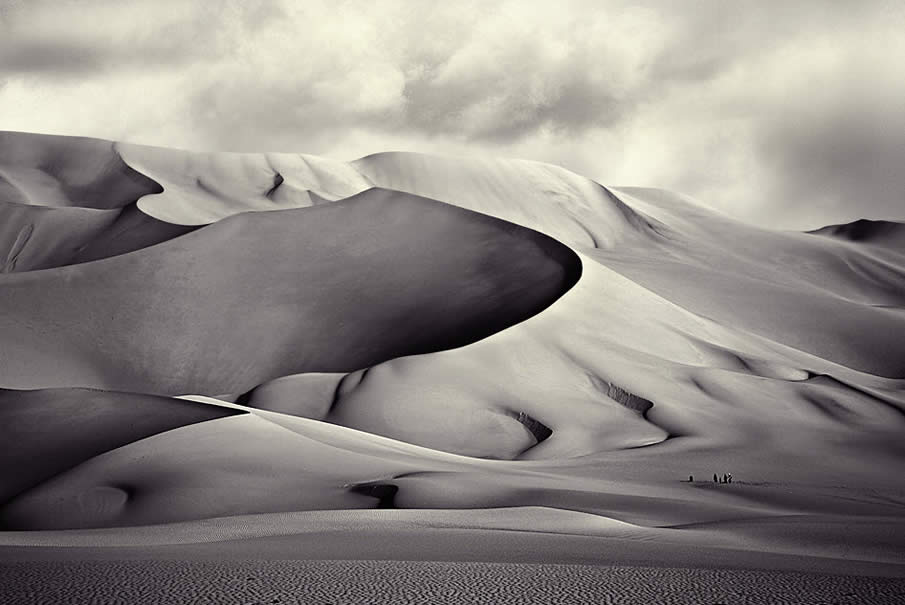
(67, 171)
(50, 431)
(36, 237)
(889, 234)
(569, 207)
(202, 188)
(332, 288)
(451, 354)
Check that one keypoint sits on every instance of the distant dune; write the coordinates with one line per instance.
(284, 352)
(41, 170)
(884, 233)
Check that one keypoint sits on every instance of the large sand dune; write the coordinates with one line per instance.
(485, 346)
(259, 295)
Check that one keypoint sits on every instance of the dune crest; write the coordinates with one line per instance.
(201, 188)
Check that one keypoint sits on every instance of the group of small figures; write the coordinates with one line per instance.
(726, 478)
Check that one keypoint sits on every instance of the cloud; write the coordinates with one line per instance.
(90, 37)
(839, 142)
(514, 77)
(781, 113)
(33, 56)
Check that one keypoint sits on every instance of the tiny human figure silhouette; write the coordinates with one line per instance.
(715, 480)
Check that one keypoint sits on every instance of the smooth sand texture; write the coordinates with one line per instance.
(37, 237)
(45, 170)
(442, 359)
(50, 431)
(201, 187)
(332, 288)
(863, 542)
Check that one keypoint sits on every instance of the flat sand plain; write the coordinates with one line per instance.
(365, 582)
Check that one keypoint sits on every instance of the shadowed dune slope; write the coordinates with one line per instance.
(261, 295)
(36, 237)
(47, 432)
(45, 170)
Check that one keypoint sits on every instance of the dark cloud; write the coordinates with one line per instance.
(79, 38)
(513, 98)
(48, 57)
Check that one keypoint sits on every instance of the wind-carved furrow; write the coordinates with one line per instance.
(637, 219)
(277, 181)
(888, 404)
(621, 396)
(538, 429)
(830, 408)
(17, 247)
(36, 237)
(594, 242)
(385, 493)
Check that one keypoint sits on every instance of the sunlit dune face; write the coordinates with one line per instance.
(405, 399)
(512, 396)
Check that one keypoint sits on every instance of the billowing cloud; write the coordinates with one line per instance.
(785, 114)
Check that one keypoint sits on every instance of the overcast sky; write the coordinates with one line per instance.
(788, 114)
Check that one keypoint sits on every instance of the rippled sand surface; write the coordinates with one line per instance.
(364, 582)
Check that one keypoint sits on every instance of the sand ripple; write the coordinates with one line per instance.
(366, 582)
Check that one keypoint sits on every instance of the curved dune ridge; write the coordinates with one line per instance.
(333, 288)
(188, 336)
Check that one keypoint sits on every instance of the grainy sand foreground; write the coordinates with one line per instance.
(335, 582)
